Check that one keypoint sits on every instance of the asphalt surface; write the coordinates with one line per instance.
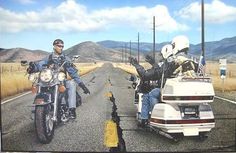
(86, 133)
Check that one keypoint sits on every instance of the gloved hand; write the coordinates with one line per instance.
(150, 59)
(86, 90)
(31, 68)
(133, 61)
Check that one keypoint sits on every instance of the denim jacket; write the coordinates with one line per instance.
(58, 60)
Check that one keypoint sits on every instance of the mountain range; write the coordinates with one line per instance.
(109, 50)
(214, 50)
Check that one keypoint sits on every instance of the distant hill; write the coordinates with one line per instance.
(143, 46)
(18, 54)
(225, 48)
(91, 51)
(112, 51)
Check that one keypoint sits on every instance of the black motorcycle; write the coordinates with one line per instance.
(50, 103)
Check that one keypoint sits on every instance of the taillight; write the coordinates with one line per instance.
(190, 121)
(188, 97)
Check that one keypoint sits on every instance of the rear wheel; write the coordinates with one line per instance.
(44, 124)
(202, 136)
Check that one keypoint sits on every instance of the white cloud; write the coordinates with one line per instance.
(71, 16)
(215, 12)
(26, 1)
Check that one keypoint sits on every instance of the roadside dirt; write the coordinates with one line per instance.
(227, 94)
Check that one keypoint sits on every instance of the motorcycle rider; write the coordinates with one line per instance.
(180, 45)
(150, 98)
(56, 59)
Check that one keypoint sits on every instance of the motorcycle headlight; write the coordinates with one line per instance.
(46, 75)
(61, 76)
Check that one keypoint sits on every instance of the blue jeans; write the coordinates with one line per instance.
(71, 89)
(148, 102)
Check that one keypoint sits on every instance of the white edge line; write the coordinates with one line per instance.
(234, 102)
(16, 97)
(231, 101)
(22, 95)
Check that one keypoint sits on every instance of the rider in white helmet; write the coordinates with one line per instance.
(180, 45)
(167, 51)
(151, 97)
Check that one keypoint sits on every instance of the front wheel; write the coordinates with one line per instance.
(44, 124)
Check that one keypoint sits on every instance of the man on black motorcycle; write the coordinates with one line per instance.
(56, 59)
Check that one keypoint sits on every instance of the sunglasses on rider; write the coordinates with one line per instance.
(60, 46)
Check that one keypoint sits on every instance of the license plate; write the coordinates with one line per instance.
(189, 110)
(111, 136)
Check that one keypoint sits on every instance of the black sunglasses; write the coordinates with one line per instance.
(60, 46)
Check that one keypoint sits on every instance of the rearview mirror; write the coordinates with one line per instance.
(24, 63)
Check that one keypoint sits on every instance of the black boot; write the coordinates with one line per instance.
(143, 123)
(72, 113)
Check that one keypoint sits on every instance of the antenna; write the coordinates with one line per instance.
(203, 39)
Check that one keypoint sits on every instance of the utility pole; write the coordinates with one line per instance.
(138, 47)
(125, 53)
(130, 50)
(122, 54)
(154, 43)
(203, 38)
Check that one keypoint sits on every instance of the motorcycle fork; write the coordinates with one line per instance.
(55, 103)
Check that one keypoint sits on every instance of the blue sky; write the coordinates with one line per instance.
(34, 24)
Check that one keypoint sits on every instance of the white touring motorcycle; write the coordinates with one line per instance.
(183, 109)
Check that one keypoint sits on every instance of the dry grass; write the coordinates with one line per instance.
(11, 67)
(13, 83)
(229, 83)
(212, 69)
(14, 80)
(85, 68)
(129, 68)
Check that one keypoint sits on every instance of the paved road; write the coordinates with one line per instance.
(86, 133)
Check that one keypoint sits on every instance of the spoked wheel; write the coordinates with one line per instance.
(44, 124)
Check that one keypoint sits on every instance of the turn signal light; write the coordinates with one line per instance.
(62, 88)
(188, 97)
(34, 89)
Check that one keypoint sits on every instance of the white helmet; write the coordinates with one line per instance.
(180, 43)
(166, 51)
